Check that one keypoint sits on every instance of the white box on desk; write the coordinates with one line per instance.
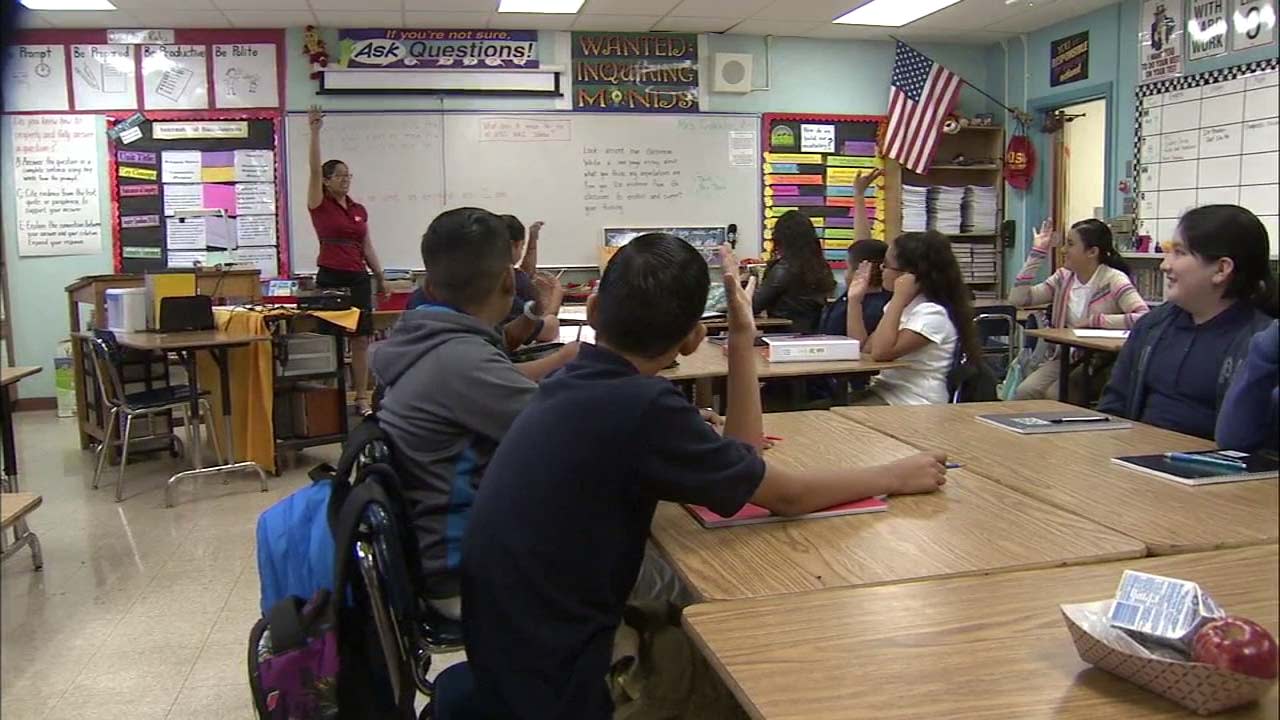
(811, 348)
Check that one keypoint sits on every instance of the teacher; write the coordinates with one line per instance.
(342, 226)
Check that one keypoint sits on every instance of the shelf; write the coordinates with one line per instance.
(971, 235)
(300, 443)
(975, 168)
(1143, 256)
(981, 282)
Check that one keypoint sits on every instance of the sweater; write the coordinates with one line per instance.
(1113, 301)
(1251, 409)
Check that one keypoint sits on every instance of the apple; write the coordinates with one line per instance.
(1238, 645)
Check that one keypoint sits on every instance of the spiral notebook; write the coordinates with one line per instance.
(754, 514)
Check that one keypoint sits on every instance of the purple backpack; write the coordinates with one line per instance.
(293, 660)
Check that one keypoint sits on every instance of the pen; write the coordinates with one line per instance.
(773, 438)
(954, 465)
(1206, 460)
(1080, 419)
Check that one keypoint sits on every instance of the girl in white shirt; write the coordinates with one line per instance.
(929, 317)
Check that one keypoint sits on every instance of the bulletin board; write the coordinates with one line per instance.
(809, 165)
(206, 190)
(1210, 138)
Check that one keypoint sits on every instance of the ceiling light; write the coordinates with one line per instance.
(68, 4)
(556, 7)
(892, 13)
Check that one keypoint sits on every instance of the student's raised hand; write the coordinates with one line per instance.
(714, 419)
(859, 281)
(921, 473)
(905, 288)
(536, 228)
(1045, 237)
(866, 180)
(315, 117)
(741, 319)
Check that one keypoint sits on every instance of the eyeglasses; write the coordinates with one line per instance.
(887, 266)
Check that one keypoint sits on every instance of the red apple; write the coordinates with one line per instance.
(1238, 645)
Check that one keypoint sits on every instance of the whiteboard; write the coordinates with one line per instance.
(1207, 139)
(579, 173)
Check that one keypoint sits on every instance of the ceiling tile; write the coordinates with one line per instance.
(270, 18)
(360, 18)
(89, 18)
(712, 8)
(165, 18)
(628, 7)
(1023, 18)
(696, 24)
(446, 20)
(365, 5)
(150, 5)
(275, 5)
(531, 21)
(820, 10)
(474, 6)
(30, 20)
(774, 27)
(617, 23)
(967, 15)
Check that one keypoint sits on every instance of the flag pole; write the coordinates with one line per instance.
(1017, 114)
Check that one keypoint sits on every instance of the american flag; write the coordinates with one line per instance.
(922, 94)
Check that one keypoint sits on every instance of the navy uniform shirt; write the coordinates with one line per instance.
(835, 317)
(525, 291)
(558, 529)
(1182, 377)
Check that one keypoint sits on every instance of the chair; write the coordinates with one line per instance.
(107, 359)
(997, 327)
(14, 508)
(970, 381)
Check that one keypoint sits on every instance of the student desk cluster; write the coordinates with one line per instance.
(947, 604)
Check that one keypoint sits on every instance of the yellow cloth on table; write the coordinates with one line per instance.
(252, 389)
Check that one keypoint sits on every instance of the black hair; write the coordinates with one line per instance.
(1094, 233)
(466, 253)
(928, 256)
(329, 168)
(515, 228)
(651, 295)
(872, 251)
(795, 241)
(1214, 232)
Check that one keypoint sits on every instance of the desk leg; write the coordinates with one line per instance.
(1064, 373)
(220, 356)
(10, 450)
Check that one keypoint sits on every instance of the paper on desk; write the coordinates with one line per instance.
(573, 312)
(1110, 334)
(575, 333)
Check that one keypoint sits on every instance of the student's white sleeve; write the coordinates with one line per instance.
(928, 320)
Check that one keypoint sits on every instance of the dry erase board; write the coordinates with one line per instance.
(579, 173)
(1210, 138)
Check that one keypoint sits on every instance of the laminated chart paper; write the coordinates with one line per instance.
(255, 199)
(254, 165)
(103, 77)
(180, 166)
(55, 183)
(244, 75)
(182, 197)
(35, 78)
(175, 77)
(185, 234)
(256, 230)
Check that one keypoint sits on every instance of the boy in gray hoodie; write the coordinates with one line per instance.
(451, 392)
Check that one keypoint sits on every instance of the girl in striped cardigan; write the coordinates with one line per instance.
(1091, 290)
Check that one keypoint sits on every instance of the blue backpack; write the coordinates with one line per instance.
(295, 546)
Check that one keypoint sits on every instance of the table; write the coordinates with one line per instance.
(993, 647)
(10, 376)
(578, 313)
(185, 345)
(14, 508)
(710, 361)
(972, 526)
(1074, 472)
(1069, 339)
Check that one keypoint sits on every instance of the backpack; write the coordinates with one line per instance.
(295, 546)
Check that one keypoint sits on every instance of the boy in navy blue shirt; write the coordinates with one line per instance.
(558, 530)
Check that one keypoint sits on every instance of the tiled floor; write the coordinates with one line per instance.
(141, 611)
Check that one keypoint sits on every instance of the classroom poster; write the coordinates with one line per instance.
(635, 72)
(1207, 29)
(35, 78)
(244, 75)
(56, 184)
(175, 77)
(425, 49)
(1160, 54)
(104, 77)
(1069, 59)
(1253, 23)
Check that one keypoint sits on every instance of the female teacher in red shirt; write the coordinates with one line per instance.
(342, 226)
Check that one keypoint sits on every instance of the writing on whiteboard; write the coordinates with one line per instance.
(512, 129)
(615, 178)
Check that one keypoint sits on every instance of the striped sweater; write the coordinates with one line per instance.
(1113, 303)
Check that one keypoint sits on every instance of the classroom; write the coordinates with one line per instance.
(639, 359)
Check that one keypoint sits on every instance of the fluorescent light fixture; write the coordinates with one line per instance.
(68, 4)
(549, 7)
(892, 13)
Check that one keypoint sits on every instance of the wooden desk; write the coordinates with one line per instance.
(1069, 339)
(8, 445)
(1073, 471)
(14, 508)
(710, 361)
(578, 313)
(972, 526)
(991, 647)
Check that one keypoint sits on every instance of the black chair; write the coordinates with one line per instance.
(971, 381)
(998, 332)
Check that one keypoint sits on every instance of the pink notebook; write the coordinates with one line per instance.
(754, 514)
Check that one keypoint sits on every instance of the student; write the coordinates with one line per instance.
(451, 392)
(1175, 369)
(928, 319)
(1091, 290)
(864, 249)
(558, 529)
(1251, 409)
(798, 280)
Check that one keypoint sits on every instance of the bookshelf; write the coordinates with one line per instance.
(983, 148)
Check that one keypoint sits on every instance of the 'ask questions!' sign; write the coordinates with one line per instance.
(423, 49)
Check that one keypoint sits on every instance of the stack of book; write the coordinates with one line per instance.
(1149, 282)
(915, 208)
(978, 262)
(944, 209)
(978, 210)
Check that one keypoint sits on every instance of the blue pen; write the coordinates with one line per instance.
(1205, 460)
(954, 466)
